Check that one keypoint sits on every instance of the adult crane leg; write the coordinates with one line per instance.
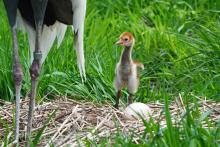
(39, 7)
(11, 8)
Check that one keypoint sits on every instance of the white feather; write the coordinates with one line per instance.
(47, 38)
(61, 30)
(20, 22)
(79, 11)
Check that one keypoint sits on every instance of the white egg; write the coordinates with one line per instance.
(137, 110)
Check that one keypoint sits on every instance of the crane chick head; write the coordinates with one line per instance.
(126, 39)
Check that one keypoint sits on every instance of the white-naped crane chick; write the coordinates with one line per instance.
(126, 69)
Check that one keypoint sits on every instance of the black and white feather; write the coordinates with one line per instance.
(58, 15)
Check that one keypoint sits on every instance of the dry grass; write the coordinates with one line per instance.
(76, 121)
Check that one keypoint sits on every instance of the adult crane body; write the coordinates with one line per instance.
(44, 21)
(56, 10)
(58, 14)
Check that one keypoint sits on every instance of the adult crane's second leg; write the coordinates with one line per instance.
(39, 8)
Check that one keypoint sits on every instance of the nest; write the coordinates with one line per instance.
(76, 121)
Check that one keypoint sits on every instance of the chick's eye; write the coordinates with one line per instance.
(126, 39)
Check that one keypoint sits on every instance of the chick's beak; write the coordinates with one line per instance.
(119, 42)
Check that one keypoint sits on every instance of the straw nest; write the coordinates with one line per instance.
(75, 121)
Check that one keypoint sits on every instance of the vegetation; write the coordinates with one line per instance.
(178, 42)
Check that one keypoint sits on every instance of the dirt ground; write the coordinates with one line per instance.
(75, 121)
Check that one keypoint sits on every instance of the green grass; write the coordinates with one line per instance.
(178, 42)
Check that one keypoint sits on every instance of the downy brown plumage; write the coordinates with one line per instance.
(126, 69)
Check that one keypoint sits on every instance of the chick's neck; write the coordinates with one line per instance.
(126, 55)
